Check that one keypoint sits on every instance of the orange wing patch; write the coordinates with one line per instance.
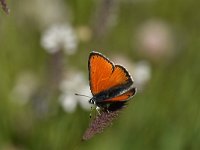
(100, 70)
(104, 74)
(124, 96)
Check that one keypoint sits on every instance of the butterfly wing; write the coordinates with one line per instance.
(123, 97)
(103, 74)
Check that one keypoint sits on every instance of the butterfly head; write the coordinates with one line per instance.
(92, 101)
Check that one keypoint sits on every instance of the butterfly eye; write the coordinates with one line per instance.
(91, 101)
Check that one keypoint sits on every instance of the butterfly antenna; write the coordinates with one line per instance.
(82, 95)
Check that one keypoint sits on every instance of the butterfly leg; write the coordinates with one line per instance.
(106, 108)
(91, 112)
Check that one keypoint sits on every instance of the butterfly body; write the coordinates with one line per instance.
(111, 85)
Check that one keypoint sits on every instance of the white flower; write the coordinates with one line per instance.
(59, 37)
(74, 82)
(68, 102)
(26, 84)
(142, 74)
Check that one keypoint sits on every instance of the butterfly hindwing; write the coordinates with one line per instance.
(123, 97)
(117, 102)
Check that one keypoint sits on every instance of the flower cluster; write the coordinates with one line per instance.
(73, 82)
(58, 37)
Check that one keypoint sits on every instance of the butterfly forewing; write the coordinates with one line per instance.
(104, 74)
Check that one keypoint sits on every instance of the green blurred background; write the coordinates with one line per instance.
(165, 113)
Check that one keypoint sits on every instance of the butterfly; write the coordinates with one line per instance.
(111, 85)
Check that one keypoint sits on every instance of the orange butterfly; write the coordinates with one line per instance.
(111, 85)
